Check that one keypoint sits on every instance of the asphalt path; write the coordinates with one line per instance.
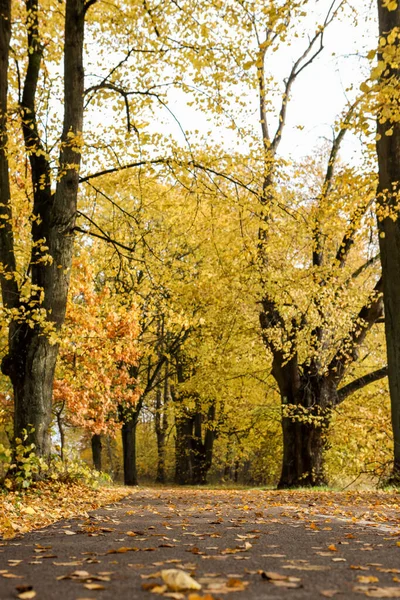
(234, 544)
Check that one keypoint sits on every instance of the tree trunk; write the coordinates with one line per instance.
(303, 449)
(306, 403)
(201, 452)
(61, 431)
(128, 433)
(110, 455)
(388, 150)
(31, 358)
(161, 425)
(30, 365)
(96, 451)
(183, 463)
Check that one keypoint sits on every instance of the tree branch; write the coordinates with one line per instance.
(300, 64)
(40, 168)
(366, 265)
(140, 163)
(361, 382)
(9, 286)
(366, 318)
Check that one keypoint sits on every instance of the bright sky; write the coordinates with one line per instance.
(320, 93)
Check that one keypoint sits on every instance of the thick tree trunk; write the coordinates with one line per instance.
(303, 450)
(96, 451)
(306, 404)
(128, 433)
(193, 455)
(388, 150)
(30, 365)
(31, 359)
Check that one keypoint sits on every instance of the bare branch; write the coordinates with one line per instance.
(361, 382)
(366, 265)
(348, 238)
(140, 163)
(300, 64)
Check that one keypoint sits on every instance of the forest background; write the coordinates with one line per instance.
(193, 303)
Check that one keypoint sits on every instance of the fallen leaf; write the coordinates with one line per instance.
(281, 580)
(94, 586)
(27, 595)
(122, 550)
(159, 589)
(378, 592)
(367, 579)
(178, 580)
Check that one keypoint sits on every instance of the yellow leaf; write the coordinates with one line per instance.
(178, 580)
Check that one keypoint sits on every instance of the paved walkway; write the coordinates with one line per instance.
(234, 544)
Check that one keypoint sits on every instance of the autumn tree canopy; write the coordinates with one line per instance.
(194, 275)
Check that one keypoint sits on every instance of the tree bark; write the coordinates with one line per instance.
(96, 451)
(388, 151)
(128, 433)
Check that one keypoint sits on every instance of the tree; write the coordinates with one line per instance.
(311, 351)
(39, 305)
(387, 72)
(98, 351)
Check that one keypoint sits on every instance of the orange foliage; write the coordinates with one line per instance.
(97, 351)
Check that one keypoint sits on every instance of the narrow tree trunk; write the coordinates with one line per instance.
(228, 461)
(388, 150)
(183, 464)
(61, 431)
(161, 425)
(236, 471)
(128, 433)
(110, 457)
(96, 451)
(202, 451)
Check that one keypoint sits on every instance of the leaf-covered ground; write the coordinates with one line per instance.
(21, 512)
(197, 544)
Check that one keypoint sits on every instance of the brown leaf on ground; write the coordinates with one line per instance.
(378, 592)
(279, 580)
(122, 550)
